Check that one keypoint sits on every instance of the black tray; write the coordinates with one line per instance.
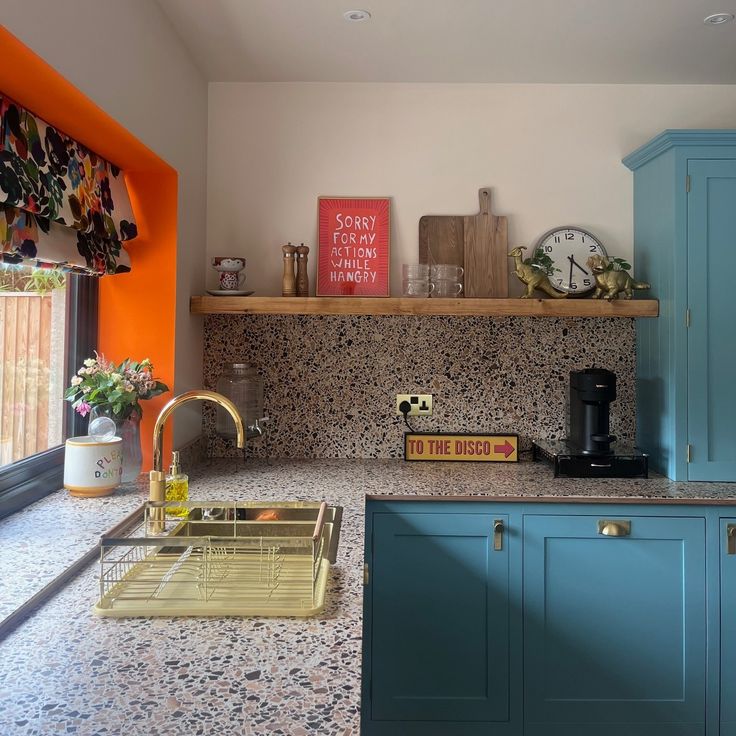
(626, 462)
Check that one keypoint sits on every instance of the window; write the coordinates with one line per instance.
(48, 324)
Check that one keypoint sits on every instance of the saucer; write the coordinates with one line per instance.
(228, 292)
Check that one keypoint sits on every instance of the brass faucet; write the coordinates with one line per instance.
(157, 478)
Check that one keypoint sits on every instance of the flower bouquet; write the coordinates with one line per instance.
(102, 388)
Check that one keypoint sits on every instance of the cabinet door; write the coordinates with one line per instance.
(440, 619)
(711, 344)
(614, 627)
(728, 629)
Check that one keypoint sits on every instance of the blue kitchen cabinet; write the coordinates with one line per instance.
(614, 626)
(728, 627)
(437, 612)
(684, 235)
(590, 619)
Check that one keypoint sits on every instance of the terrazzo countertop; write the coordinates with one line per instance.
(66, 671)
(42, 540)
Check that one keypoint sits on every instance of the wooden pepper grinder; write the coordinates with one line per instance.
(302, 277)
(288, 284)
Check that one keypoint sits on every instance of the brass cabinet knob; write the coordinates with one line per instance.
(614, 528)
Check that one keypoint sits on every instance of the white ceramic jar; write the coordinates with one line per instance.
(92, 467)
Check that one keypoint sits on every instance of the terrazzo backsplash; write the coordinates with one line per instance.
(331, 382)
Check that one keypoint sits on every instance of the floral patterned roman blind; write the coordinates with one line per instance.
(61, 205)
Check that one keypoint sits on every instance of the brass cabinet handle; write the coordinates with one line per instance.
(731, 539)
(497, 535)
(614, 528)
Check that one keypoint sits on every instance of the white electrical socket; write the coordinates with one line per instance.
(421, 404)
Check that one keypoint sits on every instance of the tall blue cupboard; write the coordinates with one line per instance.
(684, 245)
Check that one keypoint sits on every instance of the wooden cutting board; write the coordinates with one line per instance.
(486, 252)
(442, 239)
(478, 243)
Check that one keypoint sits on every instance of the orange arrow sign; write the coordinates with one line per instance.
(505, 449)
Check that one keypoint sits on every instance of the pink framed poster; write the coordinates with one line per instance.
(354, 234)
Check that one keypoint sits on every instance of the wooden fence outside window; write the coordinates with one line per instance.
(32, 344)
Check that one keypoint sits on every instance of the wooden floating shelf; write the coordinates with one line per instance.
(406, 306)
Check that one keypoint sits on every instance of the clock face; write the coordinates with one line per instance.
(569, 249)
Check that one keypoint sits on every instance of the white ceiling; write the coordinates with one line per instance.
(597, 41)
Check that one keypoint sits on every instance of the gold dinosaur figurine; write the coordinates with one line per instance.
(534, 278)
(610, 283)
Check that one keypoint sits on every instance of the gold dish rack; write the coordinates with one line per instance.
(221, 559)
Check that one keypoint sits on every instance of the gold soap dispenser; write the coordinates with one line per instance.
(177, 486)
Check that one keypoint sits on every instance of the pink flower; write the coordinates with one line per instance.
(83, 409)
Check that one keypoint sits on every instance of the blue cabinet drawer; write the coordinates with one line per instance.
(614, 626)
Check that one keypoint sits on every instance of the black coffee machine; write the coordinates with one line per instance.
(590, 450)
(591, 393)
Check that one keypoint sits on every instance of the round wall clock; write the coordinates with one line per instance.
(569, 249)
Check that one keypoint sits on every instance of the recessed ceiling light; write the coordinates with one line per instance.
(356, 16)
(718, 18)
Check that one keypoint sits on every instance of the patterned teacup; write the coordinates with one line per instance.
(231, 281)
(229, 268)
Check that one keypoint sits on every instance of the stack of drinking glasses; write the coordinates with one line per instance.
(416, 280)
(446, 280)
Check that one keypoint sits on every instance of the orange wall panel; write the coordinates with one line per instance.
(137, 309)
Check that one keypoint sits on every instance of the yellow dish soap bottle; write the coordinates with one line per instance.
(177, 486)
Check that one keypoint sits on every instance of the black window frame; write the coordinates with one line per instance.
(28, 480)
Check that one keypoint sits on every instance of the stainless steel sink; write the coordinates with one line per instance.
(222, 558)
(246, 519)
